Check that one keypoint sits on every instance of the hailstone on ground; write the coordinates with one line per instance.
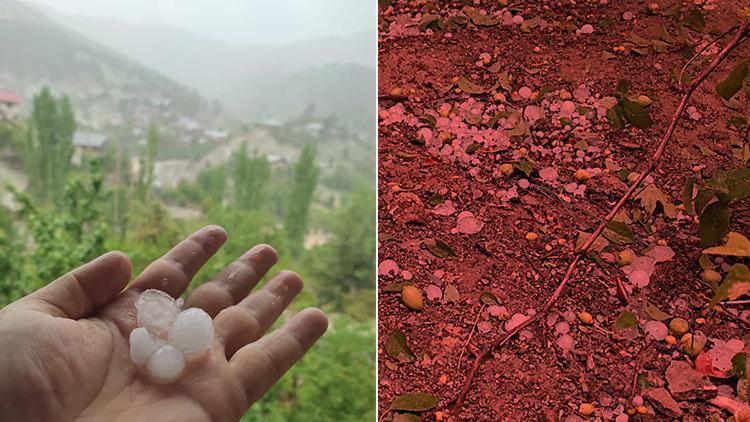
(167, 335)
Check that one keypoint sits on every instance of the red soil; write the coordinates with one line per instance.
(532, 378)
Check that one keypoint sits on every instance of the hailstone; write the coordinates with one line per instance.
(156, 310)
(165, 364)
(166, 336)
(192, 331)
(143, 344)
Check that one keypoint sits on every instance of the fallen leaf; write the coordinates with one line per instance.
(651, 196)
(488, 298)
(451, 293)
(397, 347)
(469, 87)
(415, 402)
(655, 313)
(737, 245)
(626, 320)
(439, 248)
(736, 283)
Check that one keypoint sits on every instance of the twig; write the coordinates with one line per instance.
(468, 340)
(706, 47)
(502, 339)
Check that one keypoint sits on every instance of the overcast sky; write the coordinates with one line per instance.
(238, 21)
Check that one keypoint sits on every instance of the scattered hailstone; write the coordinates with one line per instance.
(165, 364)
(192, 331)
(166, 335)
(156, 310)
(143, 344)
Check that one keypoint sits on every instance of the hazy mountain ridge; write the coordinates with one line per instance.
(256, 82)
(36, 51)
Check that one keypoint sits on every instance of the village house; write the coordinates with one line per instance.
(10, 106)
(87, 144)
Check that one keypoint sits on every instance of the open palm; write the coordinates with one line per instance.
(64, 352)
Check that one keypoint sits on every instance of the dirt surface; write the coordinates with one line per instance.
(440, 180)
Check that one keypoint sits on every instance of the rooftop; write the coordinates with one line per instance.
(10, 97)
(88, 139)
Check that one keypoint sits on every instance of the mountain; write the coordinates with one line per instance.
(107, 89)
(256, 82)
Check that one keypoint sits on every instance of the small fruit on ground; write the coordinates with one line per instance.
(641, 409)
(586, 317)
(412, 297)
(532, 236)
(644, 101)
(581, 175)
(395, 92)
(625, 257)
(670, 340)
(691, 345)
(678, 326)
(710, 276)
(506, 169)
(586, 409)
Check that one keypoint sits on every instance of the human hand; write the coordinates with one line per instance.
(64, 352)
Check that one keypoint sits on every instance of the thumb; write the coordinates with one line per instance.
(80, 292)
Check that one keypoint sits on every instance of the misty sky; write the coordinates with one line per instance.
(238, 21)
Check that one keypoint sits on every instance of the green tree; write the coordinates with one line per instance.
(303, 186)
(49, 145)
(213, 182)
(345, 263)
(148, 163)
(249, 176)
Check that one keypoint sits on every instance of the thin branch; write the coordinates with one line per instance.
(503, 339)
(706, 47)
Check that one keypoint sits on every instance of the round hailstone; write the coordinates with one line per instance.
(192, 331)
(165, 364)
(143, 344)
(156, 310)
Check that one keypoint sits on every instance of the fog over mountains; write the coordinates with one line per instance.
(256, 82)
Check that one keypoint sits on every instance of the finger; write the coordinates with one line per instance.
(247, 321)
(78, 293)
(174, 271)
(259, 365)
(235, 282)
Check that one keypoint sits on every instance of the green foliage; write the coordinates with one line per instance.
(335, 383)
(305, 180)
(713, 201)
(63, 237)
(49, 146)
(343, 263)
(250, 176)
(148, 163)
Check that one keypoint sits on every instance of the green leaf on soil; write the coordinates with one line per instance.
(626, 320)
(469, 87)
(524, 166)
(735, 183)
(406, 417)
(622, 85)
(599, 244)
(415, 402)
(694, 20)
(488, 299)
(396, 287)
(614, 115)
(737, 245)
(736, 284)
(702, 198)
(436, 199)
(428, 21)
(478, 18)
(474, 147)
(635, 114)
(618, 232)
(651, 196)
(714, 223)
(655, 313)
(687, 195)
(440, 249)
(739, 362)
(733, 83)
(397, 347)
